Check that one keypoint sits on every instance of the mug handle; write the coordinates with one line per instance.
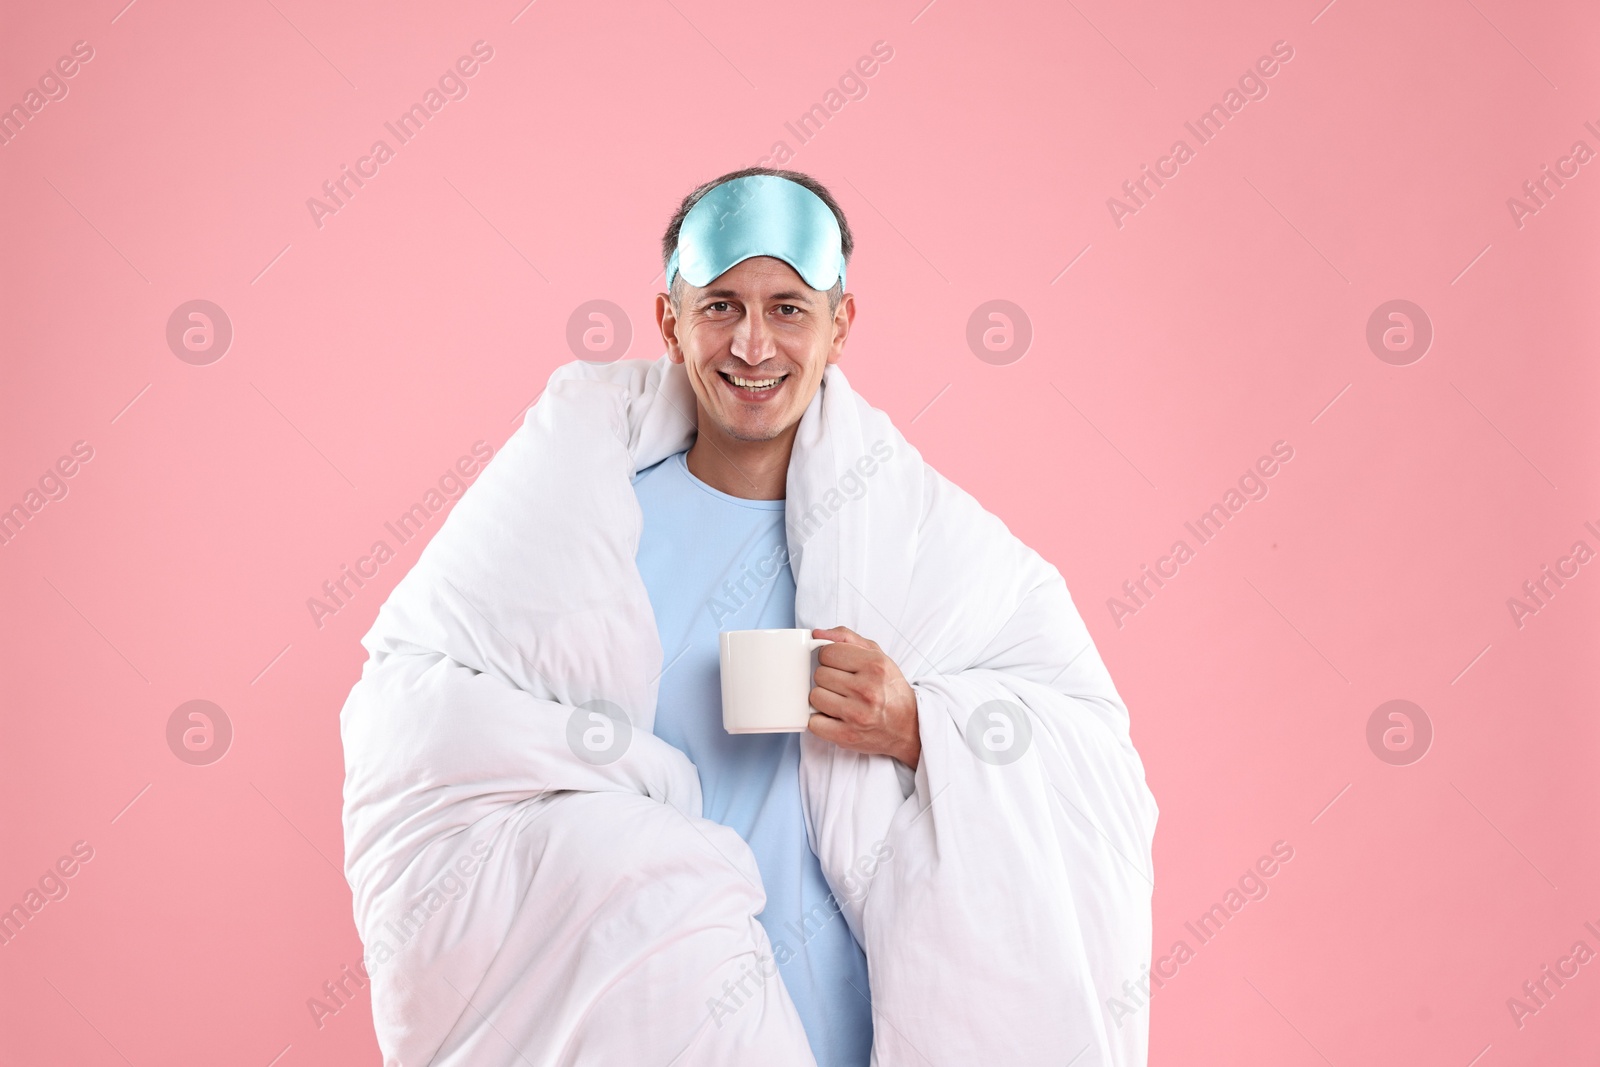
(814, 643)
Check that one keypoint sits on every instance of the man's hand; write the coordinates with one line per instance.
(862, 700)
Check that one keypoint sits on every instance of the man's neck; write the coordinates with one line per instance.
(754, 470)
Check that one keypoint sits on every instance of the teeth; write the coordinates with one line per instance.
(755, 383)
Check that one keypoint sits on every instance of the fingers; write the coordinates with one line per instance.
(839, 707)
(840, 733)
(848, 657)
(845, 683)
(845, 636)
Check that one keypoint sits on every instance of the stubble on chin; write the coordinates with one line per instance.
(752, 432)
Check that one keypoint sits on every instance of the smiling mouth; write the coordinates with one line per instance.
(752, 386)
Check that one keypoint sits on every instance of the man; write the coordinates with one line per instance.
(558, 855)
(755, 341)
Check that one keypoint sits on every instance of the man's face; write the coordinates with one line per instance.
(755, 343)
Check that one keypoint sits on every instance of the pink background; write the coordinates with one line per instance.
(1228, 313)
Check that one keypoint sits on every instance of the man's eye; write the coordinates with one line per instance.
(718, 305)
(787, 308)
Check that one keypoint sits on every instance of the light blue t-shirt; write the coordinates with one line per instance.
(714, 562)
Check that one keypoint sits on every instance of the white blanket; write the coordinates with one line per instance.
(520, 905)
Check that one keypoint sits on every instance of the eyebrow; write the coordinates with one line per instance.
(790, 295)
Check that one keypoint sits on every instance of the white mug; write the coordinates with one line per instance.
(766, 680)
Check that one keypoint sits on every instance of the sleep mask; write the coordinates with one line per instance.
(759, 215)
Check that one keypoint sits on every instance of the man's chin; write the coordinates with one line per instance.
(750, 423)
(751, 432)
(750, 426)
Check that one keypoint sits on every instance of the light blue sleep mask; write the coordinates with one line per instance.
(759, 215)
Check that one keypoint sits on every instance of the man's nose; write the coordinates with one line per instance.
(753, 341)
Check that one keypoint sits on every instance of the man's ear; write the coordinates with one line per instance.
(667, 322)
(844, 316)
